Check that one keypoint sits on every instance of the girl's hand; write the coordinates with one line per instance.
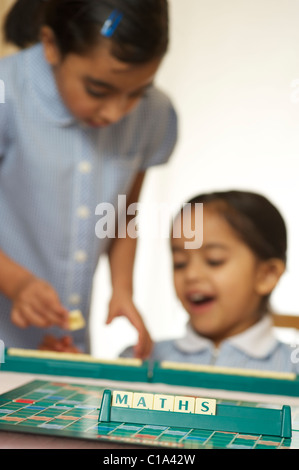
(64, 344)
(36, 303)
(121, 304)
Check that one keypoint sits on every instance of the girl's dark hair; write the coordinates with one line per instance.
(254, 218)
(142, 34)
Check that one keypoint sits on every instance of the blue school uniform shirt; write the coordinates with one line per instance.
(54, 172)
(255, 348)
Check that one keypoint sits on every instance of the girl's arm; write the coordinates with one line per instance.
(121, 258)
(34, 301)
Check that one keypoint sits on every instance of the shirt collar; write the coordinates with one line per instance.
(192, 342)
(44, 88)
(257, 341)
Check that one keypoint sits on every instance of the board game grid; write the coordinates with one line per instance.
(71, 410)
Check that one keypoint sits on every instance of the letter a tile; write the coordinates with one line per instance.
(143, 401)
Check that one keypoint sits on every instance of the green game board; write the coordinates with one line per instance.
(71, 410)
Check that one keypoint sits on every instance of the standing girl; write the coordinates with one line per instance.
(81, 123)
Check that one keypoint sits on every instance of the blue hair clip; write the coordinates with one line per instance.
(111, 24)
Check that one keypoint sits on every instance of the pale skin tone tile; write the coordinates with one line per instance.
(163, 402)
(184, 404)
(122, 399)
(143, 401)
(205, 406)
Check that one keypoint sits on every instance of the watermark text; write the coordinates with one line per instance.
(2, 352)
(2, 92)
(133, 221)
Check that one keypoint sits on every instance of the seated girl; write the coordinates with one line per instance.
(225, 284)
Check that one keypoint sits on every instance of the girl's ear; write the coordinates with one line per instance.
(268, 276)
(51, 51)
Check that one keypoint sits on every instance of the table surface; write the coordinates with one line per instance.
(11, 380)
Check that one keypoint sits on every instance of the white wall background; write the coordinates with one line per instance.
(231, 72)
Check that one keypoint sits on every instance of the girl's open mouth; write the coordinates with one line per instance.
(200, 302)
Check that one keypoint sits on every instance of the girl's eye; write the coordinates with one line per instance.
(215, 262)
(104, 94)
(96, 94)
(179, 265)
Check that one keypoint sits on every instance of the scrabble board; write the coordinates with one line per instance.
(72, 410)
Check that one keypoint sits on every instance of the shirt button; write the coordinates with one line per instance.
(74, 299)
(83, 212)
(84, 166)
(80, 256)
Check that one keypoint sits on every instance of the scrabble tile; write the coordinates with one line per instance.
(76, 320)
(205, 406)
(163, 402)
(123, 399)
(184, 404)
(143, 401)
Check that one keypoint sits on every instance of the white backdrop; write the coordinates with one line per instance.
(233, 74)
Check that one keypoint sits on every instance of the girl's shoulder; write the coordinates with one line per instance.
(288, 356)
(10, 63)
(157, 100)
(13, 73)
